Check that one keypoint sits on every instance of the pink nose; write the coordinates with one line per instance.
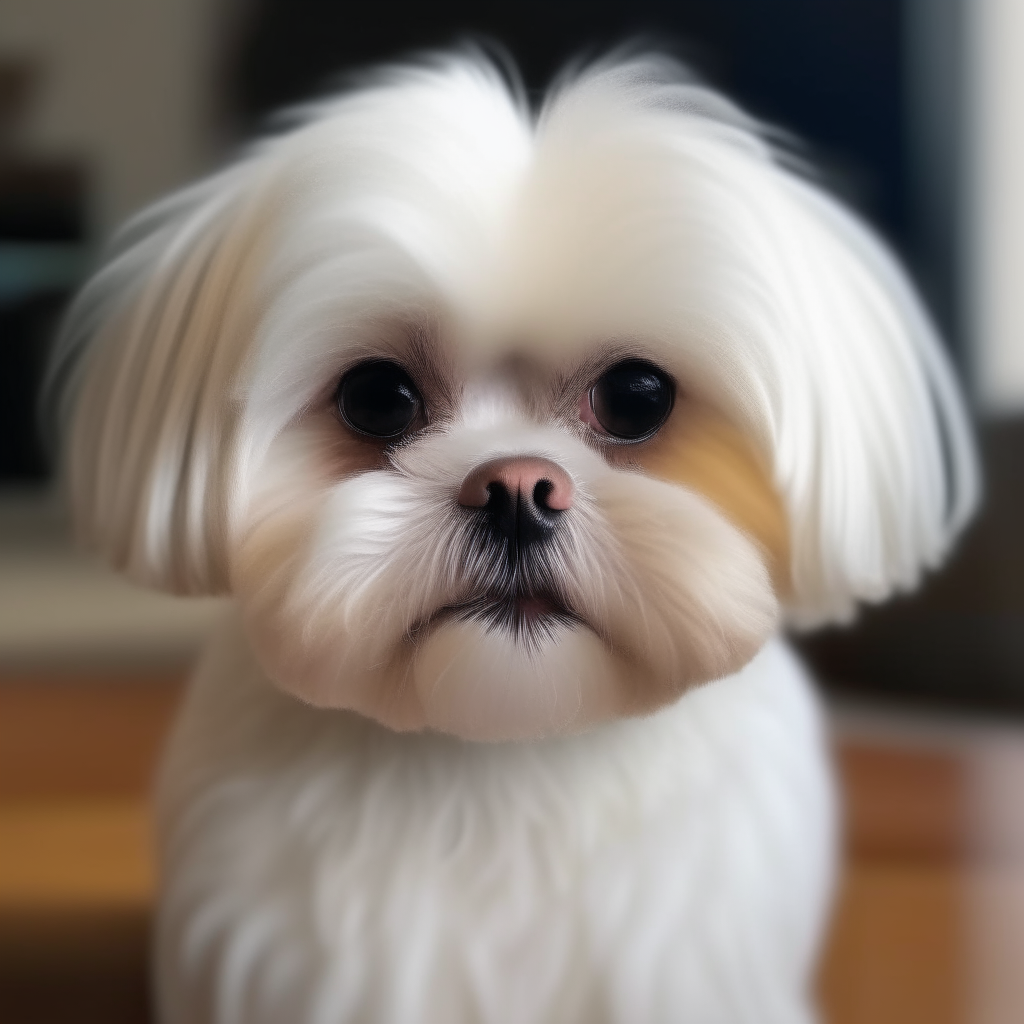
(537, 481)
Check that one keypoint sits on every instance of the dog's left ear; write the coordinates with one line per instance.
(872, 444)
(799, 319)
(144, 376)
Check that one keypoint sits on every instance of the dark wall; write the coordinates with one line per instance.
(832, 71)
(42, 228)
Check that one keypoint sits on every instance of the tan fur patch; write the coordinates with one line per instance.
(702, 450)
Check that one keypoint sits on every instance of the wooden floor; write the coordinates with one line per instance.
(927, 923)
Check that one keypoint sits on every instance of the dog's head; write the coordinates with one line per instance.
(504, 425)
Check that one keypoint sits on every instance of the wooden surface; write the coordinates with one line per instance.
(76, 866)
(76, 871)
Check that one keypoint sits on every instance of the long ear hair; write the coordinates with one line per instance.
(888, 476)
(148, 373)
(879, 465)
(811, 329)
(142, 379)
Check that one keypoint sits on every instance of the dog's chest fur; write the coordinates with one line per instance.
(318, 868)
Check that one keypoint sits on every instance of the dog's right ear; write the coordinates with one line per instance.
(144, 381)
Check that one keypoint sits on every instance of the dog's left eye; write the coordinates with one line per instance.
(378, 398)
(630, 401)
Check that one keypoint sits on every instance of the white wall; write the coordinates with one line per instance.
(126, 85)
(995, 207)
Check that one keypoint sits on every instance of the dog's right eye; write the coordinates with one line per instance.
(378, 398)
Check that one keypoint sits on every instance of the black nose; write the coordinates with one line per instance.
(520, 498)
(521, 519)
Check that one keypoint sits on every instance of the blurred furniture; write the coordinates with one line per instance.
(42, 258)
(64, 613)
(76, 873)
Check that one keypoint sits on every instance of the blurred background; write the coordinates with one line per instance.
(912, 109)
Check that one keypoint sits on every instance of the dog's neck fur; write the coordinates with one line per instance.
(320, 867)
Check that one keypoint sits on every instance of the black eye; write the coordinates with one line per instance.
(632, 400)
(378, 398)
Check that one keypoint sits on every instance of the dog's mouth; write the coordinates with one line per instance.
(526, 615)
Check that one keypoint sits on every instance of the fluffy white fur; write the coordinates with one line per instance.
(319, 867)
(670, 868)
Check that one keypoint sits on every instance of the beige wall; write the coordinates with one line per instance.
(126, 85)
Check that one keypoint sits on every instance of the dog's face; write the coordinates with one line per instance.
(503, 428)
(507, 546)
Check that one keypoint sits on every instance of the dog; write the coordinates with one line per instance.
(516, 440)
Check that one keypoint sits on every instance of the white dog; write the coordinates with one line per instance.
(506, 432)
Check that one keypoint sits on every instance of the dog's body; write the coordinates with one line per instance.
(515, 440)
(321, 868)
